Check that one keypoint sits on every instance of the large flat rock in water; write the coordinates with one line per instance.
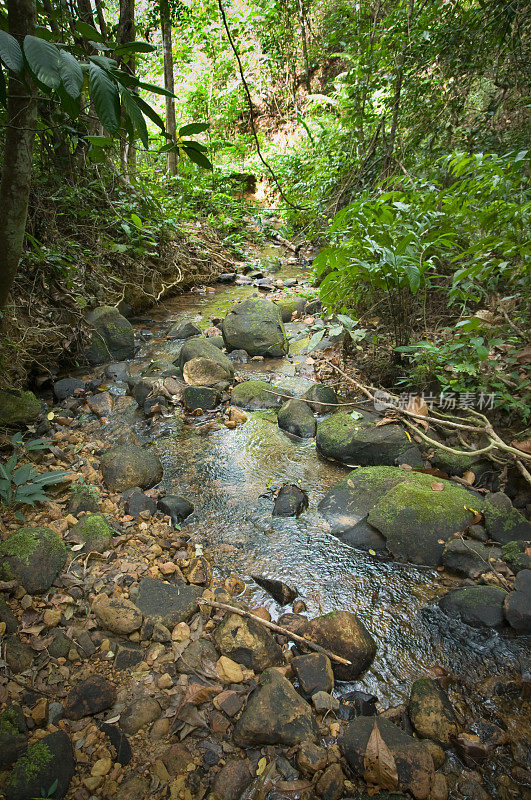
(413, 512)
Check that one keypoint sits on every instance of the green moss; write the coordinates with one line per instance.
(85, 490)
(502, 518)
(8, 722)
(28, 766)
(424, 502)
(18, 408)
(23, 543)
(95, 531)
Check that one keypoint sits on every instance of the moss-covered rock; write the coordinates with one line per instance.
(127, 466)
(46, 762)
(254, 395)
(18, 408)
(417, 520)
(290, 306)
(13, 735)
(513, 553)
(34, 557)
(360, 441)
(200, 347)
(255, 325)
(112, 337)
(502, 521)
(94, 532)
(478, 606)
(83, 497)
(431, 713)
(321, 399)
(195, 397)
(295, 418)
(184, 329)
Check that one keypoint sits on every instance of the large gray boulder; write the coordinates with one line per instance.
(478, 606)
(295, 418)
(18, 408)
(255, 325)
(112, 337)
(201, 348)
(128, 466)
(255, 395)
(32, 556)
(359, 441)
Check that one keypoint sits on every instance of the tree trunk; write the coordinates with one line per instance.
(101, 19)
(171, 126)
(302, 19)
(18, 154)
(126, 33)
(398, 85)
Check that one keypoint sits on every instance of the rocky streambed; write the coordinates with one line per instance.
(210, 469)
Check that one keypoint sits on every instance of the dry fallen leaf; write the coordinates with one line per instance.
(417, 405)
(469, 477)
(437, 487)
(197, 694)
(524, 446)
(379, 763)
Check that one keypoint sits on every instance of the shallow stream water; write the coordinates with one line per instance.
(229, 475)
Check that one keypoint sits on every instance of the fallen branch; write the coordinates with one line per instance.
(277, 628)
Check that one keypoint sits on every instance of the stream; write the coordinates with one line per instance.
(229, 475)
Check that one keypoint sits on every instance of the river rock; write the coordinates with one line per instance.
(128, 466)
(275, 714)
(502, 521)
(239, 356)
(32, 556)
(49, 761)
(117, 614)
(18, 654)
(184, 329)
(138, 714)
(60, 645)
(13, 735)
(330, 785)
(176, 507)
(195, 655)
(290, 501)
(517, 604)
(119, 371)
(514, 554)
(314, 673)
(255, 325)
(136, 502)
(320, 398)
(83, 497)
(119, 741)
(311, 758)
(205, 372)
(360, 441)
(200, 397)
(414, 764)
(478, 606)
(247, 643)
(67, 387)
(7, 617)
(468, 558)
(169, 603)
(233, 779)
(256, 395)
(201, 347)
(431, 713)
(18, 408)
(416, 520)
(133, 789)
(94, 532)
(345, 635)
(278, 590)
(112, 337)
(296, 418)
(89, 697)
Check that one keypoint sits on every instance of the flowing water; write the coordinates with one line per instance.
(229, 475)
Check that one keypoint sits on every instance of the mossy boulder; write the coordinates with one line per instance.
(255, 395)
(18, 408)
(205, 372)
(34, 557)
(13, 735)
(112, 336)
(94, 532)
(275, 714)
(517, 604)
(127, 466)
(478, 606)
(195, 397)
(344, 634)
(290, 306)
(184, 329)
(513, 553)
(320, 398)
(414, 764)
(83, 497)
(359, 441)
(201, 347)
(468, 558)
(503, 522)
(351, 505)
(247, 642)
(431, 713)
(255, 325)
(417, 520)
(295, 418)
(49, 761)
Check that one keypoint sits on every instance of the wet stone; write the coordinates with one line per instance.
(342, 633)
(517, 604)
(431, 713)
(34, 557)
(167, 603)
(13, 735)
(89, 697)
(257, 395)
(247, 643)
(128, 466)
(295, 418)
(176, 507)
(184, 330)
(290, 501)
(478, 606)
(140, 713)
(200, 397)
(468, 558)
(502, 521)
(278, 590)
(321, 399)
(136, 502)
(255, 325)
(47, 762)
(314, 673)
(68, 387)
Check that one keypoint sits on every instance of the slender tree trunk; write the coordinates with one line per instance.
(302, 19)
(101, 19)
(18, 154)
(398, 85)
(126, 33)
(171, 126)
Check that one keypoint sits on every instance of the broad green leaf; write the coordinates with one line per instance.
(201, 148)
(88, 31)
(23, 474)
(10, 52)
(105, 63)
(70, 105)
(135, 115)
(149, 112)
(71, 73)
(198, 158)
(134, 47)
(43, 60)
(413, 276)
(335, 330)
(193, 127)
(3, 88)
(104, 94)
(151, 87)
(314, 341)
(136, 220)
(99, 141)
